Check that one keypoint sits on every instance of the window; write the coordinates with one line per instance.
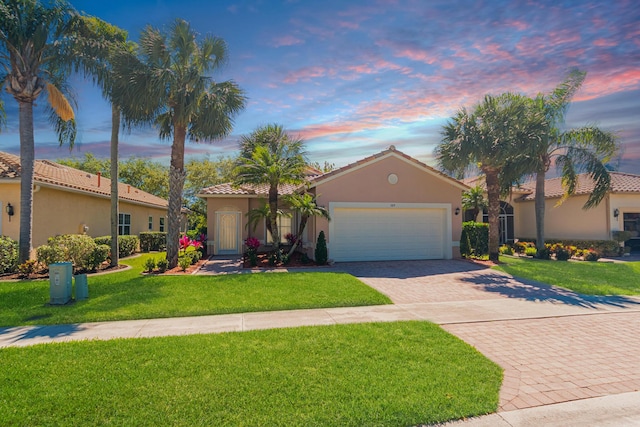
(632, 223)
(161, 224)
(150, 223)
(124, 224)
(284, 227)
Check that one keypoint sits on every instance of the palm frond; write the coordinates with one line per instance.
(59, 103)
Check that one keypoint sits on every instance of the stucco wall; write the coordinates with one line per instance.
(567, 221)
(625, 203)
(10, 193)
(370, 184)
(58, 212)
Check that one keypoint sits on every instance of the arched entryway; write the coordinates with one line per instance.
(505, 222)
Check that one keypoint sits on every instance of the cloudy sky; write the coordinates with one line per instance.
(353, 77)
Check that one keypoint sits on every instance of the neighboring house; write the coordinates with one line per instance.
(388, 206)
(71, 201)
(619, 210)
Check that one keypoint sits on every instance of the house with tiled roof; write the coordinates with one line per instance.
(566, 218)
(71, 201)
(388, 206)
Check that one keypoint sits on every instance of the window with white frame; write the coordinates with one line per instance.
(124, 224)
(161, 224)
(150, 223)
(285, 226)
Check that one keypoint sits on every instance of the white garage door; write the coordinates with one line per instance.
(388, 233)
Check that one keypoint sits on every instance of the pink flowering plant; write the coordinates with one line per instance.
(252, 245)
(291, 238)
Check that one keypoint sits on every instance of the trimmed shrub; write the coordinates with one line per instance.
(162, 265)
(590, 255)
(530, 251)
(603, 247)
(321, 250)
(153, 241)
(127, 245)
(184, 262)
(76, 248)
(8, 255)
(505, 250)
(474, 240)
(150, 264)
(98, 256)
(544, 253)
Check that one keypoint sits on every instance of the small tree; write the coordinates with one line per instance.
(321, 250)
(306, 206)
(473, 200)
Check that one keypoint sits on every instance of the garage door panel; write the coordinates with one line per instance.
(367, 234)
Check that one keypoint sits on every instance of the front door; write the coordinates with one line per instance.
(228, 227)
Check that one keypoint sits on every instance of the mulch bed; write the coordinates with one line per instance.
(294, 261)
(44, 274)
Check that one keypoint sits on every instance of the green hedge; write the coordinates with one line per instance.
(153, 241)
(8, 255)
(77, 248)
(127, 245)
(474, 240)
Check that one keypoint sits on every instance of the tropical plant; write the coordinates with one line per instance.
(473, 200)
(271, 156)
(263, 212)
(171, 82)
(35, 55)
(306, 206)
(490, 137)
(573, 150)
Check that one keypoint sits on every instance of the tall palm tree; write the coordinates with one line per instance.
(490, 137)
(305, 205)
(100, 47)
(587, 148)
(270, 156)
(473, 200)
(171, 82)
(34, 44)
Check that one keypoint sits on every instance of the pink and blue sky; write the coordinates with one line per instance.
(353, 77)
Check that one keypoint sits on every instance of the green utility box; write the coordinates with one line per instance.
(60, 277)
(82, 287)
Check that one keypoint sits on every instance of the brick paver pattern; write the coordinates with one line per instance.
(560, 359)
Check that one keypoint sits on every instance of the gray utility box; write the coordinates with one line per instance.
(60, 276)
(82, 287)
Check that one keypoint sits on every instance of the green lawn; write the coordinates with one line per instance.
(592, 278)
(129, 295)
(375, 374)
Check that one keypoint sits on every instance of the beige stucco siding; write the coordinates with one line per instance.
(370, 184)
(57, 212)
(10, 193)
(567, 221)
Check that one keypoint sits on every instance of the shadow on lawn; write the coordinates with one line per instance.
(535, 291)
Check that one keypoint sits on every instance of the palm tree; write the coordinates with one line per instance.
(473, 200)
(306, 206)
(170, 81)
(34, 54)
(270, 156)
(490, 137)
(99, 45)
(587, 148)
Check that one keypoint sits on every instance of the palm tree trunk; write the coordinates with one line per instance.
(273, 207)
(539, 206)
(493, 194)
(115, 129)
(303, 224)
(177, 176)
(27, 158)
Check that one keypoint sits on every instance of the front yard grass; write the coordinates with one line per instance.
(375, 374)
(129, 295)
(592, 278)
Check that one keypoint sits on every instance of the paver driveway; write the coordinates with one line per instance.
(554, 345)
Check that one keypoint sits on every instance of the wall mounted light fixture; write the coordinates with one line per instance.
(9, 210)
(457, 212)
(616, 213)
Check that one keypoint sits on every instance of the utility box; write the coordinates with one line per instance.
(60, 277)
(82, 287)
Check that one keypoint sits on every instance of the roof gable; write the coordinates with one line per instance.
(390, 152)
(63, 177)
